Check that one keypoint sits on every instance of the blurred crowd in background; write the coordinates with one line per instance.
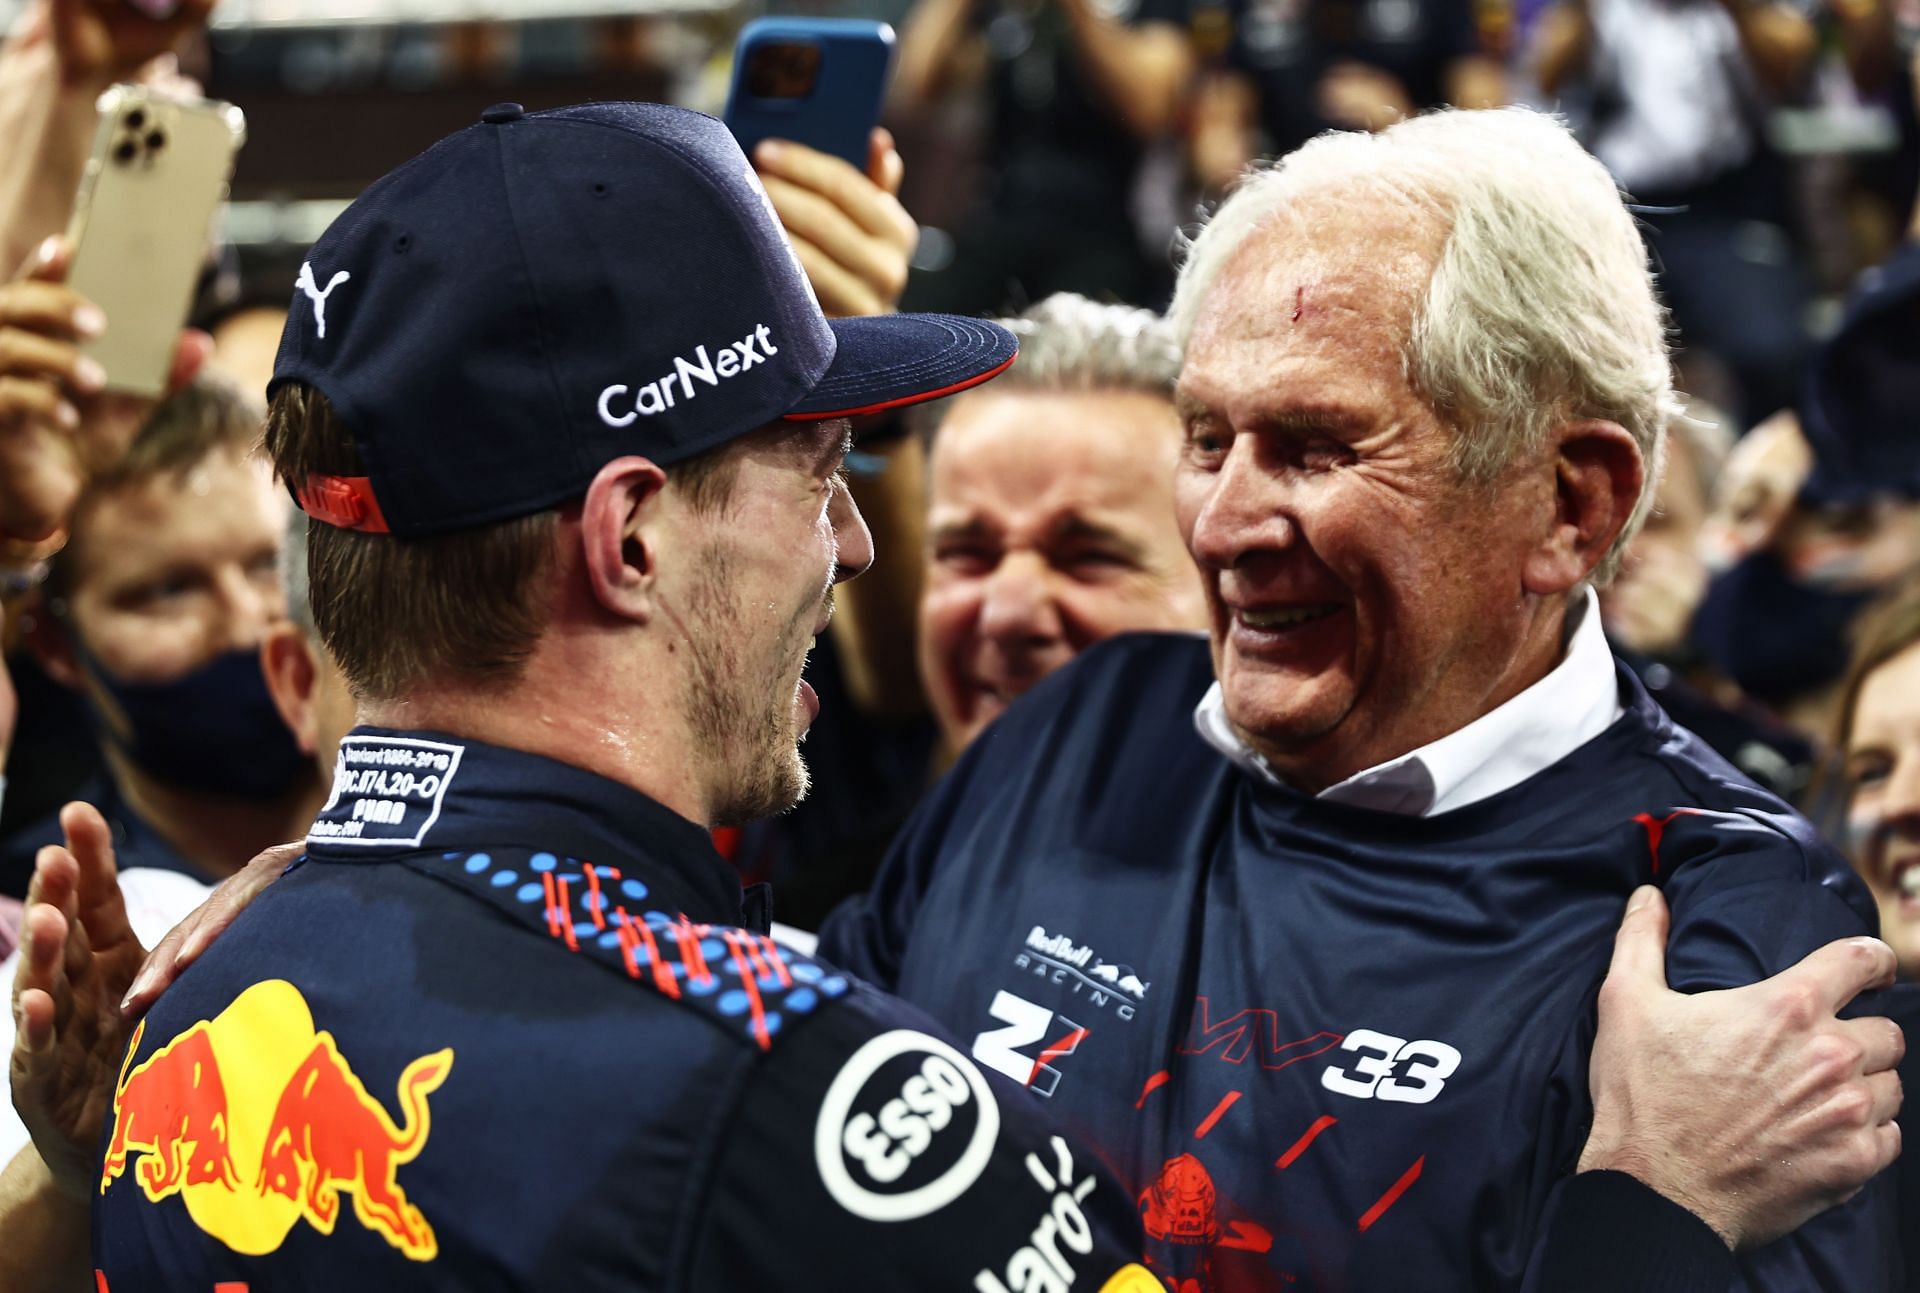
(1053, 151)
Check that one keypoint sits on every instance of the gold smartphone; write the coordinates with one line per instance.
(142, 223)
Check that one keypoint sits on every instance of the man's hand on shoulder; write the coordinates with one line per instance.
(1755, 1108)
(185, 942)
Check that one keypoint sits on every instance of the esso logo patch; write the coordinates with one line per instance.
(906, 1127)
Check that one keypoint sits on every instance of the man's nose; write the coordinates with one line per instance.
(853, 540)
(1017, 604)
(1244, 510)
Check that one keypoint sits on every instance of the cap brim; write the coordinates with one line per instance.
(887, 361)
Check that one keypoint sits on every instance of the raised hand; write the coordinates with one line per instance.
(58, 423)
(853, 237)
(78, 956)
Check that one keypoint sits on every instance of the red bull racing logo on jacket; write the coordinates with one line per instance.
(257, 1121)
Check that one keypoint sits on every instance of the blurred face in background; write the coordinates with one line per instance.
(1883, 778)
(169, 572)
(1853, 547)
(170, 583)
(1650, 604)
(1050, 527)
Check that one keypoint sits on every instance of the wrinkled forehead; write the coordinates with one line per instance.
(226, 498)
(1322, 264)
(1018, 445)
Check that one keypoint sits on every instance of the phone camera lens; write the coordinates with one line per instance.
(156, 140)
(136, 119)
(126, 151)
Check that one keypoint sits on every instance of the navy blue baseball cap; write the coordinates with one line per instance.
(541, 293)
(1863, 389)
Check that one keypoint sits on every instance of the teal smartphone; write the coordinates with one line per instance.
(816, 81)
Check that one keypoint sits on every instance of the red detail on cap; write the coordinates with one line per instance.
(905, 400)
(344, 502)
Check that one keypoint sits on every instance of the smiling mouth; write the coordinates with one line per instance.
(1283, 617)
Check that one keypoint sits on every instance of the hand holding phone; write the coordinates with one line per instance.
(58, 423)
(854, 239)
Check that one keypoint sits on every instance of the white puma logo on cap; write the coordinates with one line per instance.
(305, 284)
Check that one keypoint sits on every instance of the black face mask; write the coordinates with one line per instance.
(1776, 637)
(214, 730)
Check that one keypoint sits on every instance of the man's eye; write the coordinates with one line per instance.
(1205, 440)
(1095, 559)
(965, 559)
(1321, 455)
(1868, 772)
(159, 593)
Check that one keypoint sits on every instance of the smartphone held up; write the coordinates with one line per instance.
(141, 224)
(815, 81)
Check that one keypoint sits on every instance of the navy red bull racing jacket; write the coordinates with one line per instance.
(1328, 1047)
(509, 1025)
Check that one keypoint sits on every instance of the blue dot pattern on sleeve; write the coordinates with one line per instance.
(743, 979)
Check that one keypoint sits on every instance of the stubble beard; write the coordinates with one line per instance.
(742, 725)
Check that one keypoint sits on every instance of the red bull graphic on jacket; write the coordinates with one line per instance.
(1339, 1050)
(258, 1122)
(509, 1025)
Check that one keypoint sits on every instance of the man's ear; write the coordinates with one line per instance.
(286, 658)
(1598, 475)
(620, 535)
(51, 643)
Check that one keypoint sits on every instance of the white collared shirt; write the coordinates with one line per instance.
(1577, 700)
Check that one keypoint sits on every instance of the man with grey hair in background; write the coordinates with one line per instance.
(1305, 928)
(1050, 526)
(1016, 524)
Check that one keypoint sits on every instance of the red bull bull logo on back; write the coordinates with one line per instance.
(258, 1085)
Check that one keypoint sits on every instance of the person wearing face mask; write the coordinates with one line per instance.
(154, 613)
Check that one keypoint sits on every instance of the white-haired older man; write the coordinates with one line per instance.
(1306, 930)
